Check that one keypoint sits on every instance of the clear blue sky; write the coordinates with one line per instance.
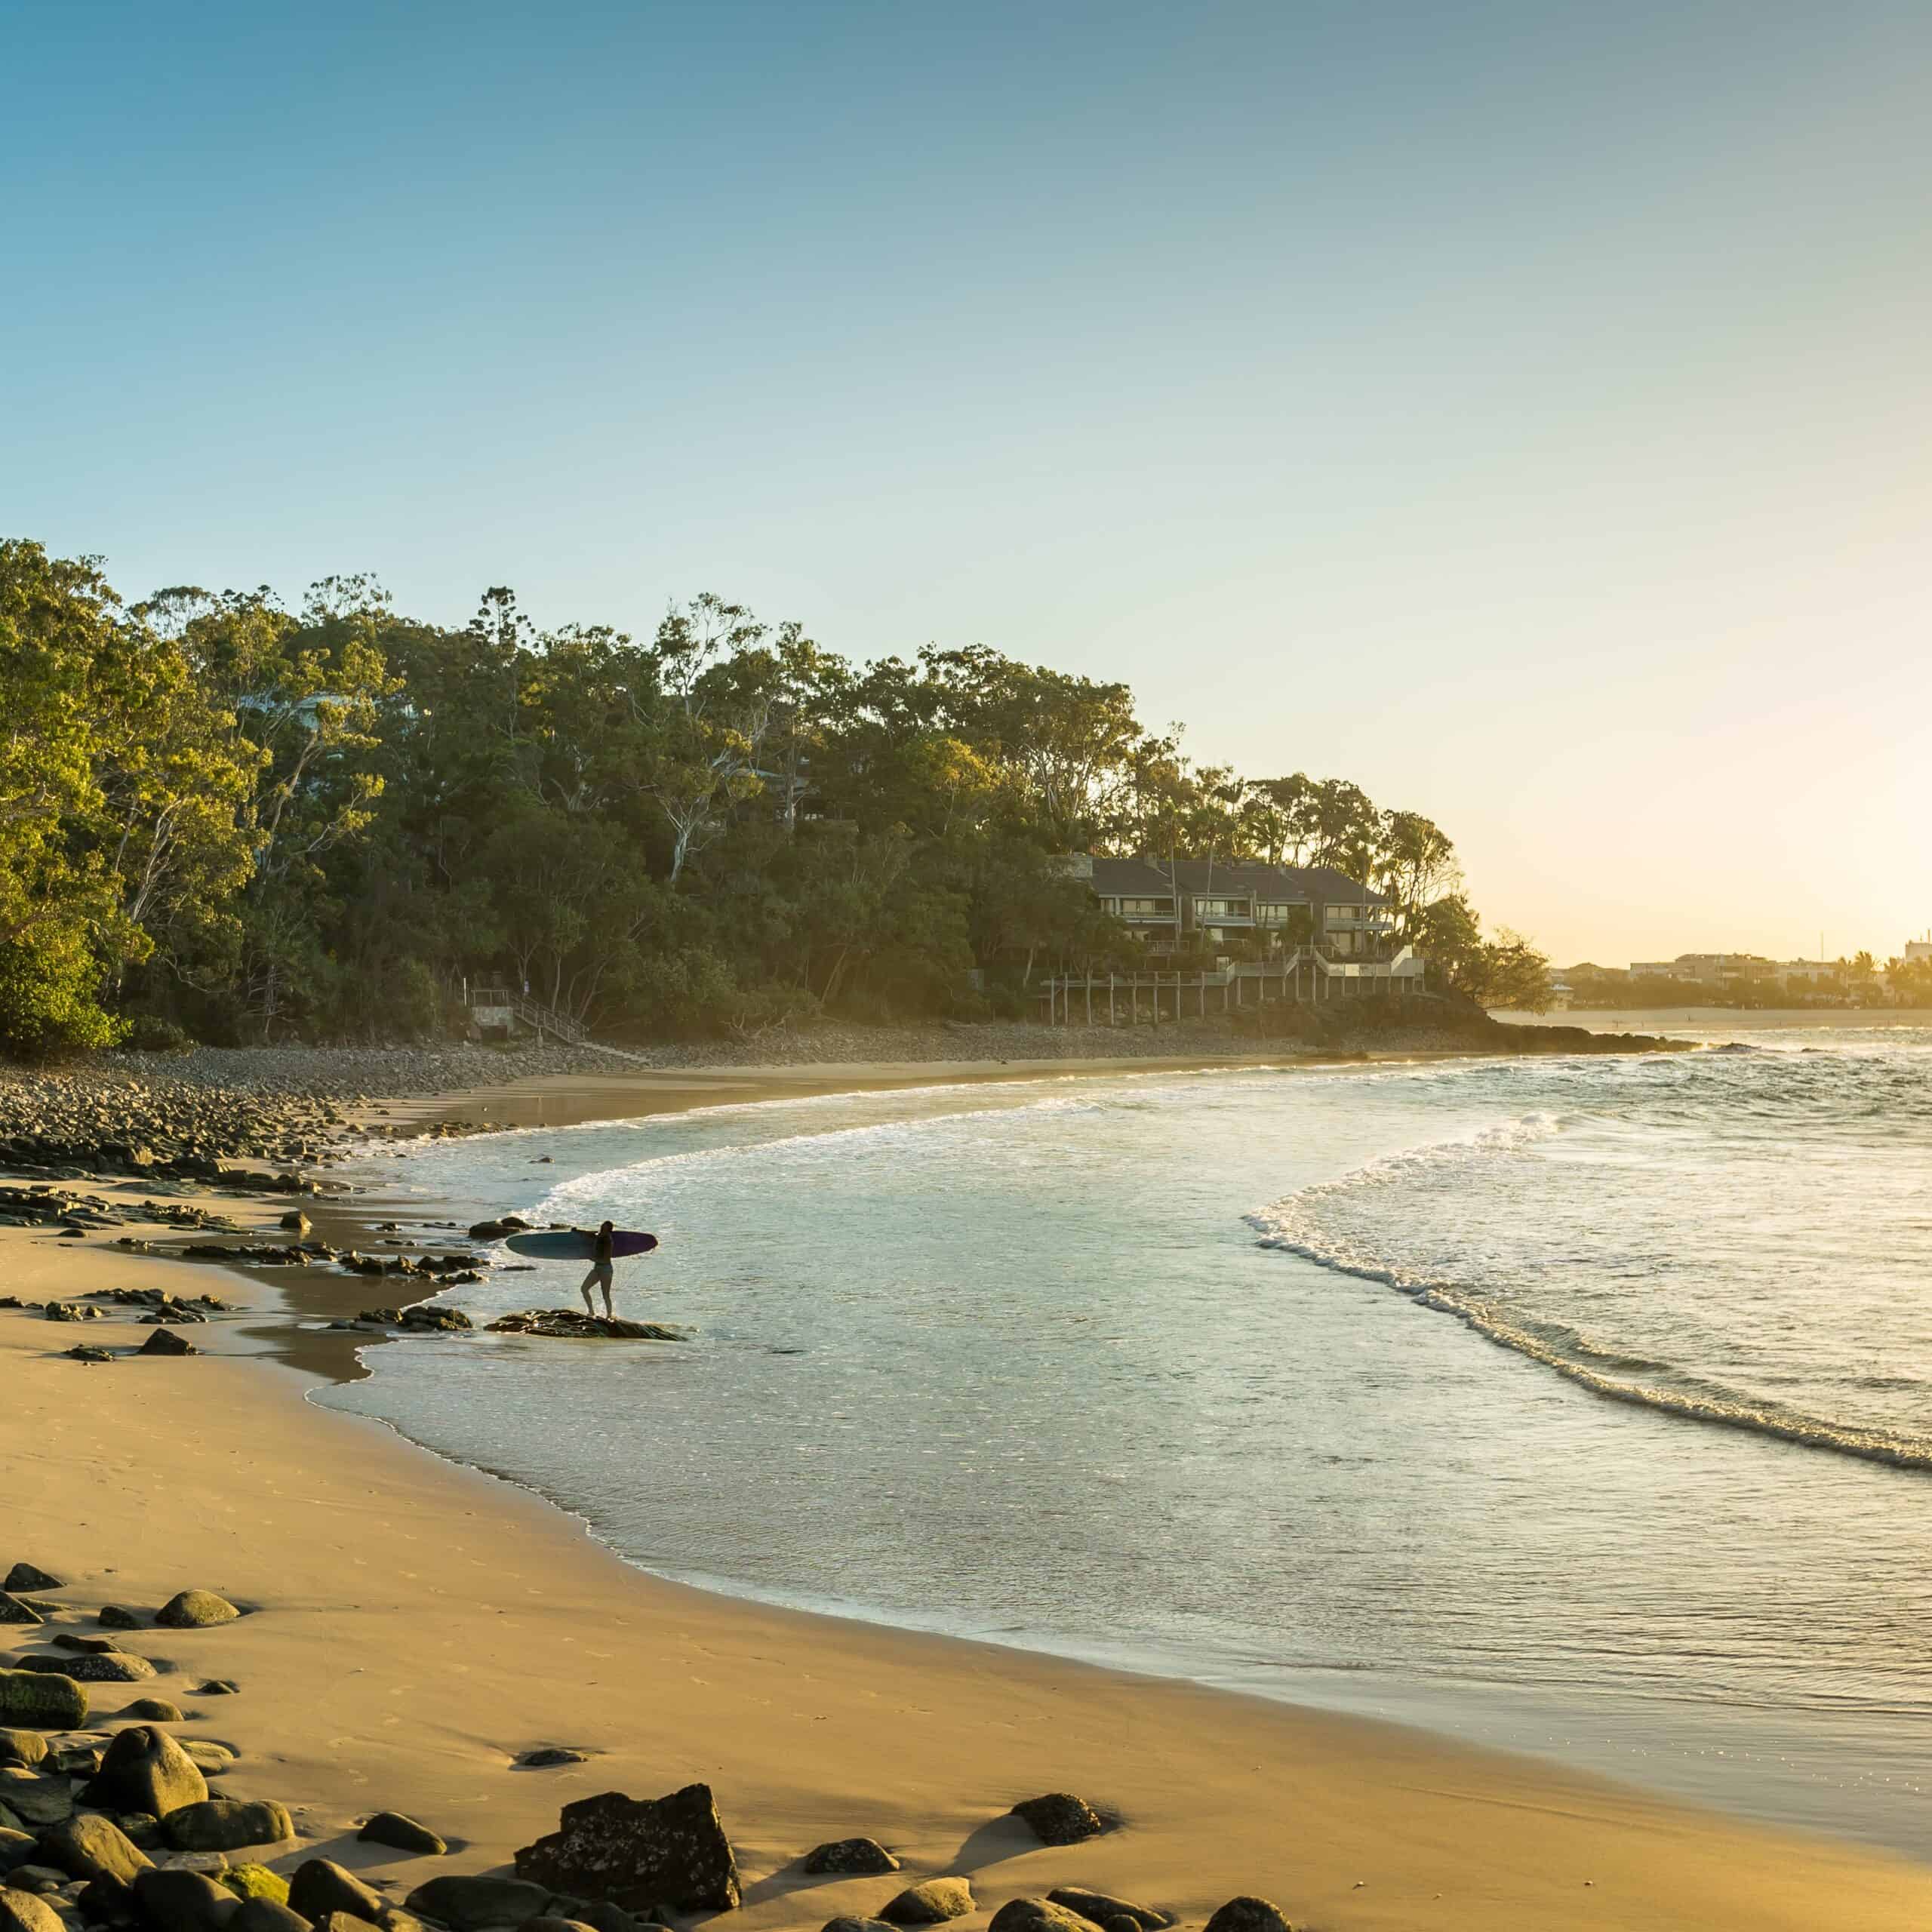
(1521, 410)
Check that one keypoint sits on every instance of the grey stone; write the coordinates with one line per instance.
(92, 1667)
(194, 1610)
(22, 1747)
(37, 1801)
(143, 1769)
(226, 1824)
(266, 1915)
(468, 1904)
(864, 1855)
(1101, 1906)
(932, 1903)
(41, 1702)
(342, 1921)
(846, 1924)
(212, 1759)
(1249, 1914)
(217, 1686)
(15, 1610)
(638, 1852)
(151, 1710)
(391, 1828)
(17, 1848)
(184, 1902)
(46, 1879)
(1028, 1915)
(1060, 1818)
(93, 1847)
(600, 1914)
(21, 1912)
(321, 1887)
(112, 1616)
(166, 1342)
(547, 1757)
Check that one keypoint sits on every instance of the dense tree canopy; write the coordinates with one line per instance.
(220, 815)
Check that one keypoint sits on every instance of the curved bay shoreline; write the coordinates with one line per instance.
(431, 1623)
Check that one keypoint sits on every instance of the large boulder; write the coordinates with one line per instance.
(195, 1610)
(1060, 1818)
(177, 1901)
(467, 1904)
(21, 1912)
(40, 1701)
(393, 1829)
(932, 1903)
(28, 1576)
(255, 1881)
(145, 1770)
(1249, 1914)
(321, 1887)
(638, 1852)
(1101, 1906)
(852, 1855)
(226, 1824)
(92, 1847)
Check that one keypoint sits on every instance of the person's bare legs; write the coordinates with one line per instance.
(589, 1306)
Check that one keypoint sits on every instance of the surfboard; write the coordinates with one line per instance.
(578, 1244)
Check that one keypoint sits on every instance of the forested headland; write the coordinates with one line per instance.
(225, 820)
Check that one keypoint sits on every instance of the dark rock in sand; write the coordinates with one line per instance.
(93, 1847)
(100, 1647)
(217, 1686)
(930, 1904)
(165, 1342)
(177, 1901)
(266, 1915)
(226, 1824)
(391, 1828)
(211, 1758)
(1026, 1914)
(114, 1667)
(600, 1914)
(321, 1887)
(42, 1703)
(856, 1925)
(68, 1311)
(858, 1855)
(112, 1616)
(1247, 1914)
(297, 1223)
(87, 1354)
(1101, 1908)
(469, 1904)
(1060, 1818)
(511, 1224)
(145, 1770)
(195, 1610)
(21, 1912)
(639, 1852)
(547, 1757)
(22, 1747)
(152, 1710)
(13, 1611)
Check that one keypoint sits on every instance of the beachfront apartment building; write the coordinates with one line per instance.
(1166, 902)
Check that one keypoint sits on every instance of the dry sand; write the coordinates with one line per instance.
(418, 1624)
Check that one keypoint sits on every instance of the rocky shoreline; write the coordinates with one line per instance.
(110, 1820)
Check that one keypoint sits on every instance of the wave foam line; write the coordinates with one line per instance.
(1286, 1228)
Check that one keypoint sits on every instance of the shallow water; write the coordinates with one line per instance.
(1580, 1406)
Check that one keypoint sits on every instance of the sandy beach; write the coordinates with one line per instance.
(416, 1625)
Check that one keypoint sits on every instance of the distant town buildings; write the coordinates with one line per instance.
(1751, 977)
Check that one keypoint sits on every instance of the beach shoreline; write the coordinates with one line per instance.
(421, 1623)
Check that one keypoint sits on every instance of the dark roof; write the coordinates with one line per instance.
(1303, 885)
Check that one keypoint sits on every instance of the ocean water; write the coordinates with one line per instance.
(1580, 1406)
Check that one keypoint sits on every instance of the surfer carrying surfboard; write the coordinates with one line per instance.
(601, 1273)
